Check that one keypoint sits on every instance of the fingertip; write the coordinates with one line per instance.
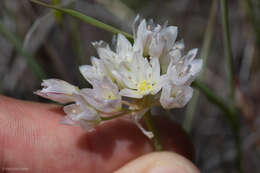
(159, 162)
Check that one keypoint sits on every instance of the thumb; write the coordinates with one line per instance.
(159, 162)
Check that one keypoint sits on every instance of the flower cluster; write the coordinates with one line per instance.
(129, 79)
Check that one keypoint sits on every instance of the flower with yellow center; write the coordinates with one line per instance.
(104, 96)
(143, 77)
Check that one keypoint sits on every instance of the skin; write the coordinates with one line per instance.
(31, 137)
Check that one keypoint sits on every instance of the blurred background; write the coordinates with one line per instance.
(38, 43)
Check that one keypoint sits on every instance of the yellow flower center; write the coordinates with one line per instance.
(144, 86)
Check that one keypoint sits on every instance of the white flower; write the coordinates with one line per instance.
(175, 96)
(57, 90)
(156, 41)
(184, 71)
(142, 78)
(104, 96)
(95, 72)
(123, 53)
(173, 54)
(180, 74)
(81, 114)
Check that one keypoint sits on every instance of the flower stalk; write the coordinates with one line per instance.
(151, 127)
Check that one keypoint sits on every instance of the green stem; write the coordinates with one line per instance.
(234, 121)
(227, 45)
(17, 43)
(156, 139)
(204, 54)
(85, 18)
(57, 14)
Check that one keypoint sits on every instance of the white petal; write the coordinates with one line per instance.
(175, 96)
(88, 113)
(72, 109)
(80, 114)
(164, 62)
(156, 89)
(87, 125)
(128, 77)
(141, 37)
(107, 84)
(57, 97)
(118, 78)
(105, 53)
(123, 45)
(170, 35)
(143, 69)
(135, 25)
(130, 93)
(156, 46)
(58, 86)
(192, 54)
(57, 90)
(97, 63)
(155, 69)
(183, 96)
(77, 115)
(141, 28)
(87, 72)
(92, 98)
(165, 98)
(196, 66)
(158, 86)
(95, 72)
(175, 55)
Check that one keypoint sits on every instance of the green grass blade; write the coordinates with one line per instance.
(85, 18)
(57, 14)
(227, 46)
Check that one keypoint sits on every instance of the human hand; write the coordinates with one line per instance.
(33, 140)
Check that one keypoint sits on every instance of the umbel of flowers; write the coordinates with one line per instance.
(130, 79)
